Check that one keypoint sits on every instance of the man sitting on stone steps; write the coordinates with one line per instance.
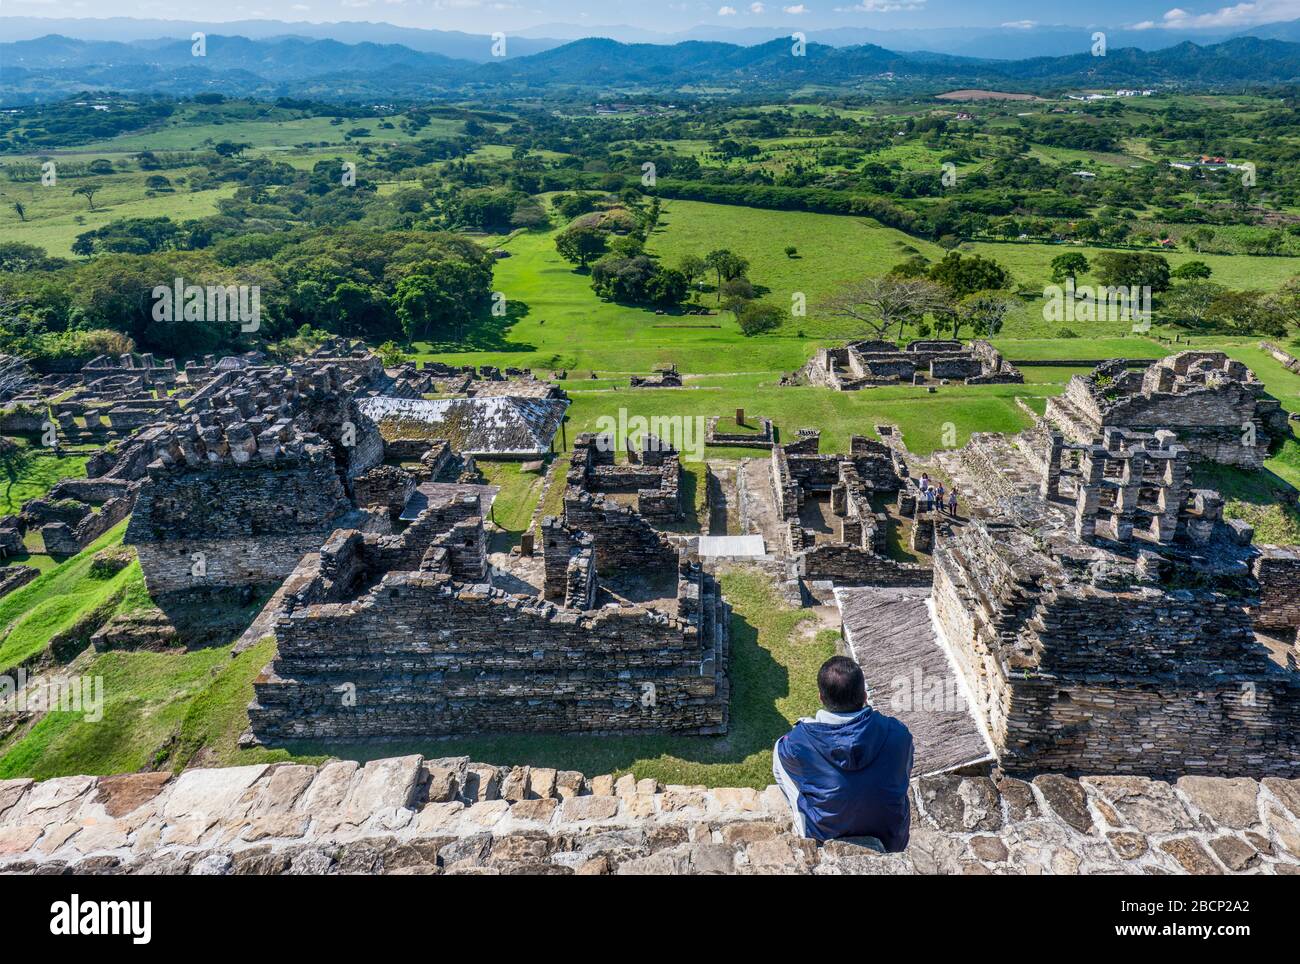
(845, 771)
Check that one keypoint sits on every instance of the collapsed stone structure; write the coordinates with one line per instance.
(803, 480)
(255, 475)
(863, 364)
(1214, 403)
(411, 628)
(661, 378)
(1106, 617)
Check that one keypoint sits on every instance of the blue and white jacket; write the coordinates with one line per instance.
(852, 773)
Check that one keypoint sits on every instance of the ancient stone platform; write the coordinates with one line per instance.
(891, 636)
(408, 815)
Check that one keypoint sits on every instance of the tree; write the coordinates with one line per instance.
(756, 317)
(1200, 238)
(637, 280)
(1133, 269)
(1247, 313)
(726, 266)
(967, 275)
(391, 355)
(1190, 303)
(441, 297)
(887, 302)
(693, 267)
(231, 148)
(985, 311)
(355, 308)
(580, 244)
(88, 191)
(1191, 271)
(1069, 265)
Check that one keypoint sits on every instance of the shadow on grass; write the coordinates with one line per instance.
(489, 333)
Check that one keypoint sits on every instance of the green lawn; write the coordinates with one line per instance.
(181, 133)
(37, 477)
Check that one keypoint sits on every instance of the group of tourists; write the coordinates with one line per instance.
(934, 495)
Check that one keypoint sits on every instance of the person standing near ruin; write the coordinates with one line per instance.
(845, 771)
(952, 502)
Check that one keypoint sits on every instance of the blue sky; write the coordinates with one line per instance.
(486, 16)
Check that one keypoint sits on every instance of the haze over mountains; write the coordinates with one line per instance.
(50, 65)
(1012, 41)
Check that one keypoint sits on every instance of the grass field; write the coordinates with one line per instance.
(55, 216)
(36, 477)
(58, 600)
(181, 133)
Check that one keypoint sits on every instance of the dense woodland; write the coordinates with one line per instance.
(332, 252)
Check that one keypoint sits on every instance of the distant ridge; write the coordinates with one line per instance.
(52, 66)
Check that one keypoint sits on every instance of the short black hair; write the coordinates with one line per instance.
(841, 685)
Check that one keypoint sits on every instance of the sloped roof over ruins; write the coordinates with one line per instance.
(493, 425)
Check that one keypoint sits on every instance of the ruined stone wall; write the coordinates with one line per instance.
(1278, 572)
(190, 564)
(784, 488)
(387, 486)
(1213, 403)
(852, 565)
(1072, 676)
(453, 816)
(624, 540)
(61, 539)
(429, 656)
(252, 522)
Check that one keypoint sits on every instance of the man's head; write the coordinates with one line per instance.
(841, 685)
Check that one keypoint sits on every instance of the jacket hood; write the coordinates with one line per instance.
(853, 745)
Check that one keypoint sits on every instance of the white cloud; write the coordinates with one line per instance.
(1021, 24)
(797, 9)
(755, 8)
(1237, 15)
(882, 6)
(726, 11)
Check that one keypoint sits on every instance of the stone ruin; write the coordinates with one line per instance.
(866, 364)
(256, 474)
(1107, 619)
(403, 635)
(661, 378)
(805, 482)
(1215, 404)
(652, 473)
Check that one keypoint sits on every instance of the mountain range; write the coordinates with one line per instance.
(1008, 41)
(51, 66)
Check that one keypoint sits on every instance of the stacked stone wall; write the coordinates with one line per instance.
(428, 655)
(1136, 680)
(454, 816)
(1277, 570)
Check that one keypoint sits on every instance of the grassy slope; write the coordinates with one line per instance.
(57, 600)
